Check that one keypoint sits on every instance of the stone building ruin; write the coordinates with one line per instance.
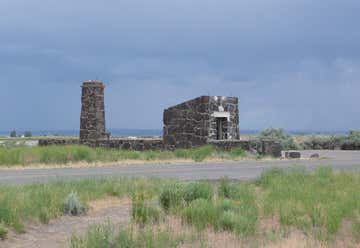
(204, 120)
(196, 122)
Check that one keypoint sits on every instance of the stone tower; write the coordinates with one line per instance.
(92, 119)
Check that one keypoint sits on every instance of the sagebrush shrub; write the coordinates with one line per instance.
(227, 221)
(279, 135)
(73, 206)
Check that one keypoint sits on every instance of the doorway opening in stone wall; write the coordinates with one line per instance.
(221, 128)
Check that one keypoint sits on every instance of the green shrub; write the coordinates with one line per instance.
(227, 221)
(319, 142)
(226, 188)
(73, 206)
(144, 212)
(235, 191)
(197, 190)
(352, 139)
(200, 213)
(278, 135)
(224, 205)
(171, 196)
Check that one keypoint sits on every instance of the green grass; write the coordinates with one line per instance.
(143, 211)
(41, 202)
(316, 203)
(198, 190)
(171, 196)
(77, 153)
(197, 204)
(107, 236)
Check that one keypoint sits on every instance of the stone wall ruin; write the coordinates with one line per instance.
(195, 122)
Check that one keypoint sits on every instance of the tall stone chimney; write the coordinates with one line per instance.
(92, 119)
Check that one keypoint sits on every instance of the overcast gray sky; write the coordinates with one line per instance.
(293, 64)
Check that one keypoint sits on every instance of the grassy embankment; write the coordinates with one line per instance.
(75, 153)
(316, 204)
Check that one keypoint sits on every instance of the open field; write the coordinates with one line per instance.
(282, 208)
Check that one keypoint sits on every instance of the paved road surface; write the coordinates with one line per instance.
(243, 170)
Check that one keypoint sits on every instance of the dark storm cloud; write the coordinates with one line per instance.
(293, 64)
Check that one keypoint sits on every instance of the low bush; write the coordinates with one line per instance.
(73, 206)
(227, 221)
(278, 135)
(198, 190)
(171, 196)
(224, 205)
(201, 213)
(322, 142)
(143, 211)
(350, 141)
(226, 188)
